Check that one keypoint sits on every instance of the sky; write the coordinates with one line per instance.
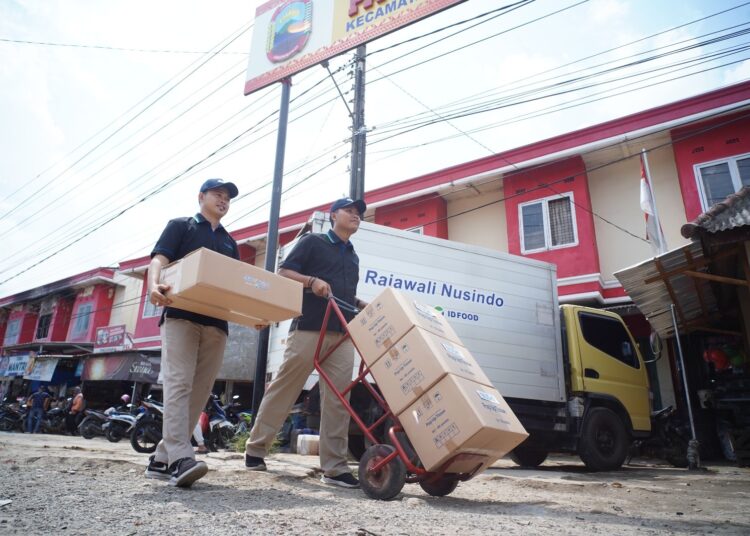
(113, 113)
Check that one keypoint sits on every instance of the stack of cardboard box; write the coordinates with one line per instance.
(444, 401)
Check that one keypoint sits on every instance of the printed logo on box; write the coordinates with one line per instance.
(489, 397)
(255, 282)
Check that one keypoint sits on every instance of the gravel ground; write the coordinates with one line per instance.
(68, 485)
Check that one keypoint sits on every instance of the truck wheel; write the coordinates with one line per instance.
(604, 442)
(388, 481)
(528, 456)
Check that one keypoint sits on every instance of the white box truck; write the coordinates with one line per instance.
(573, 375)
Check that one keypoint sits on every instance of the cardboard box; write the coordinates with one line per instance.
(416, 362)
(460, 416)
(213, 284)
(388, 318)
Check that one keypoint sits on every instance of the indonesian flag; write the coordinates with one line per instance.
(654, 233)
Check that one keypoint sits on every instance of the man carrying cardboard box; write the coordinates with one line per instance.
(326, 264)
(192, 344)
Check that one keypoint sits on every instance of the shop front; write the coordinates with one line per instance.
(108, 376)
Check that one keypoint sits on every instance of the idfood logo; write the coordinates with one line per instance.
(460, 315)
(289, 30)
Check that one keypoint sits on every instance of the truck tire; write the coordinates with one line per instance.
(604, 442)
(528, 456)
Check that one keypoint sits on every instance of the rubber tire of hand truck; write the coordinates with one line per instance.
(439, 488)
(386, 483)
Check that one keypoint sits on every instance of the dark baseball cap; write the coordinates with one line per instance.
(210, 184)
(348, 202)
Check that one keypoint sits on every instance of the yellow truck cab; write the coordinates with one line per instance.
(609, 401)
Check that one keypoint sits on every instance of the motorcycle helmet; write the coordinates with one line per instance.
(125, 399)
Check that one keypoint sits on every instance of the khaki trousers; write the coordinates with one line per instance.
(191, 356)
(286, 387)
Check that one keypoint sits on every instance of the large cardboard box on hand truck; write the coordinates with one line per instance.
(416, 362)
(459, 416)
(388, 318)
(212, 284)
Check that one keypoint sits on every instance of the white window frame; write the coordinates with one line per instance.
(16, 323)
(734, 173)
(78, 320)
(418, 230)
(545, 217)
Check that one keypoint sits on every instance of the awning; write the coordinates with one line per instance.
(681, 276)
(125, 366)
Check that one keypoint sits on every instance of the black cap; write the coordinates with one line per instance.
(347, 202)
(210, 184)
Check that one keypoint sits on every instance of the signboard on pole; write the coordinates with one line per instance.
(292, 35)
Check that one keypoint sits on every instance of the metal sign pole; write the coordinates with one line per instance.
(272, 240)
(693, 445)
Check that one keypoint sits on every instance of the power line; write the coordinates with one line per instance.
(118, 49)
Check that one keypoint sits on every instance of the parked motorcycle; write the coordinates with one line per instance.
(218, 431)
(119, 424)
(12, 418)
(91, 425)
(53, 421)
(146, 432)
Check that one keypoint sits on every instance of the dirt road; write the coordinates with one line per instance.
(66, 485)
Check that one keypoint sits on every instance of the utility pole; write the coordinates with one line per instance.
(359, 131)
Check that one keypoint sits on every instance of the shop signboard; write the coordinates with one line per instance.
(292, 35)
(17, 365)
(127, 366)
(110, 338)
(42, 370)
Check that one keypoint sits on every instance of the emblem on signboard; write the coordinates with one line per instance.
(289, 30)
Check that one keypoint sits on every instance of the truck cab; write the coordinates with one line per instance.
(609, 400)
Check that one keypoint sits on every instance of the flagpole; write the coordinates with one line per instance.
(647, 171)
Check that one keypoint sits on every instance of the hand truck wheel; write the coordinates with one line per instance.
(388, 481)
(439, 488)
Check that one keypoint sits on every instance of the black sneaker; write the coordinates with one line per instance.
(253, 463)
(157, 469)
(185, 471)
(345, 480)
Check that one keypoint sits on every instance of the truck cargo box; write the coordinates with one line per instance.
(503, 307)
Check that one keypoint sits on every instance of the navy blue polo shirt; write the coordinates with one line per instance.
(184, 235)
(329, 258)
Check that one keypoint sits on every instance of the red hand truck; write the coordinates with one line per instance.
(391, 462)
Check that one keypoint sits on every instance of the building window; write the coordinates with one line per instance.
(149, 309)
(12, 331)
(717, 180)
(82, 319)
(548, 224)
(42, 326)
(609, 336)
